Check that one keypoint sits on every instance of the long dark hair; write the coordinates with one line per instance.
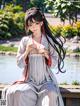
(37, 15)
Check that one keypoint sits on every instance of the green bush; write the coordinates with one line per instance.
(77, 25)
(19, 20)
(11, 24)
(75, 83)
(66, 31)
(56, 30)
(4, 25)
(12, 8)
(69, 31)
(64, 83)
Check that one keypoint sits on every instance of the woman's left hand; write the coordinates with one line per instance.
(44, 52)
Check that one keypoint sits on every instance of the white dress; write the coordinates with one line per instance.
(41, 88)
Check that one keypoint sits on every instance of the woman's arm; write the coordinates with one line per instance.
(25, 47)
(53, 57)
(22, 53)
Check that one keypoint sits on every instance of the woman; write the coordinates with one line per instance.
(37, 54)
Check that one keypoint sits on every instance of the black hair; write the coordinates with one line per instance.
(36, 14)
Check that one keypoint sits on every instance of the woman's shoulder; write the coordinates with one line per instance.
(25, 38)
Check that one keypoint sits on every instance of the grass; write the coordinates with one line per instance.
(14, 49)
(70, 52)
(75, 83)
(77, 51)
(7, 49)
(64, 83)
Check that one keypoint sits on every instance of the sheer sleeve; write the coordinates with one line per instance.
(20, 53)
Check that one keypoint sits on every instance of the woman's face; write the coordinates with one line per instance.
(35, 27)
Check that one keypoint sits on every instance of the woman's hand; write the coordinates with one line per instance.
(29, 48)
(44, 52)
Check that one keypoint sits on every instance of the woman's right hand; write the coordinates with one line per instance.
(29, 48)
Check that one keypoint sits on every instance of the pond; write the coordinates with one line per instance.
(9, 72)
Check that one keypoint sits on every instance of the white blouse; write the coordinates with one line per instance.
(44, 43)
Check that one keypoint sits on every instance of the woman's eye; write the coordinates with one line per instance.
(30, 25)
(37, 22)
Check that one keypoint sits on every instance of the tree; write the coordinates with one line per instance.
(23, 3)
(64, 9)
(37, 3)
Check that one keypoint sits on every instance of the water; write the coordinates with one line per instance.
(72, 66)
(9, 72)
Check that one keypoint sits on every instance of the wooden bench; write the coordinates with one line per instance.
(70, 94)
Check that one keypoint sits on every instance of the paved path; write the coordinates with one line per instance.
(56, 21)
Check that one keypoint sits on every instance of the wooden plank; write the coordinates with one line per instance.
(75, 102)
(68, 102)
(70, 86)
(70, 95)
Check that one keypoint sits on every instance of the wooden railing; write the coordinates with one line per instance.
(70, 94)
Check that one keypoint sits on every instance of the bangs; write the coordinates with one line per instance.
(36, 16)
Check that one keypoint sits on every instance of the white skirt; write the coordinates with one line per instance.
(37, 90)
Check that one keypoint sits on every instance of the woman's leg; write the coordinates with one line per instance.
(25, 98)
(49, 98)
(21, 97)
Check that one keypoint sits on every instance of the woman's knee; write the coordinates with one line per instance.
(29, 97)
(52, 94)
(49, 99)
(30, 94)
(12, 92)
(53, 98)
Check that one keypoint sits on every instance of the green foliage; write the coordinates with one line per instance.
(64, 9)
(5, 20)
(60, 9)
(68, 31)
(56, 30)
(77, 25)
(12, 8)
(11, 22)
(6, 48)
(37, 3)
(49, 5)
(19, 21)
(64, 83)
(75, 83)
